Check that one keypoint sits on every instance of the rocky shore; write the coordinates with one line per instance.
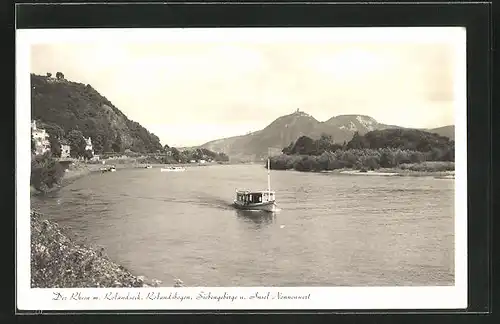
(58, 261)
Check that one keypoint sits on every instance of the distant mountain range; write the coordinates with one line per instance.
(286, 129)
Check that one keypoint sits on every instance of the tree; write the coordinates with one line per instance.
(288, 149)
(55, 146)
(324, 143)
(175, 153)
(304, 145)
(98, 143)
(117, 144)
(197, 154)
(45, 172)
(60, 76)
(53, 130)
(77, 143)
(49, 74)
(87, 154)
(358, 142)
(387, 159)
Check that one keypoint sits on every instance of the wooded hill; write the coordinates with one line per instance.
(63, 106)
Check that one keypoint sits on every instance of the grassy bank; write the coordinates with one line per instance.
(57, 261)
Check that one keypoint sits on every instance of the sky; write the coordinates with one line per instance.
(191, 88)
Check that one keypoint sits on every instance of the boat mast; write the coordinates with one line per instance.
(268, 172)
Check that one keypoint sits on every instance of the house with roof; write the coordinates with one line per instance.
(41, 139)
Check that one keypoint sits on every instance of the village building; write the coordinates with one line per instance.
(41, 139)
(89, 147)
(65, 151)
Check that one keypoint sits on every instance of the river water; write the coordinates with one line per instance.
(332, 229)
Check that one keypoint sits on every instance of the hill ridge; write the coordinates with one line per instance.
(285, 129)
(66, 106)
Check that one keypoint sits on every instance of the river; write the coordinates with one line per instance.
(332, 229)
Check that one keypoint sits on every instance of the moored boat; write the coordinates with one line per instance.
(173, 169)
(110, 168)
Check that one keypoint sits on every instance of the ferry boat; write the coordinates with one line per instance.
(173, 169)
(264, 200)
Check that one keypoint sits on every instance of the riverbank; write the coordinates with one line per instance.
(398, 172)
(79, 169)
(59, 261)
(437, 169)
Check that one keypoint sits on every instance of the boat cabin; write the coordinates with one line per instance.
(255, 197)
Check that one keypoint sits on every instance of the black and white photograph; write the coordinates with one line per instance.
(242, 168)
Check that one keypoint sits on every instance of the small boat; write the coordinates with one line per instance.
(148, 166)
(111, 168)
(173, 169)
(264, 200)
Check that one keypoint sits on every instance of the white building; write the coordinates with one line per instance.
(89, 147)
(41, 139)
(65, 151)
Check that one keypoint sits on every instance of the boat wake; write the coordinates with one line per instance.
(214, 202)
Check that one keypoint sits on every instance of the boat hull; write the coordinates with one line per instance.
(267, 206)
(172, 170)
(107, 170)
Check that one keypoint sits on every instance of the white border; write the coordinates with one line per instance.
(452, 297)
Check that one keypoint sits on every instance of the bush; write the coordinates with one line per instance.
(431, 166)
(45, 172)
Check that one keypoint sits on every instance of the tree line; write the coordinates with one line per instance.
(187, 155)
(377, 149)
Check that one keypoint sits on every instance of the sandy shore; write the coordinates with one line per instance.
(370, 173)
(393, 172)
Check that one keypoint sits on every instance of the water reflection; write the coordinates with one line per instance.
(256, 216)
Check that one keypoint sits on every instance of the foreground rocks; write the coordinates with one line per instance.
(59, 262)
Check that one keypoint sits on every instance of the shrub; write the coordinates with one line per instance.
(431, 166)
(45, 172)
(57, 261)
